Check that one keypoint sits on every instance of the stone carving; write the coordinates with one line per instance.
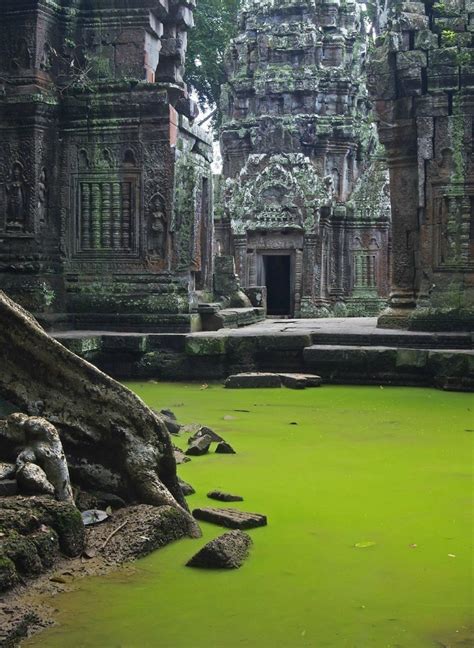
(157, 227)
(106, 215)
(17, 203)
(47, 58)
(42, 206)
(21, 56)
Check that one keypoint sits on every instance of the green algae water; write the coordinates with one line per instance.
(389, 469)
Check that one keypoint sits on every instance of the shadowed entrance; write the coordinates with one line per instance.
(277, 280)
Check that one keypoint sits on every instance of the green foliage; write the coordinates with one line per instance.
(448, 37)
(216, 25)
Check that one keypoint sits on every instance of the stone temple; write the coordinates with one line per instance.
(105, 183)
(306, 208)
(346, 182)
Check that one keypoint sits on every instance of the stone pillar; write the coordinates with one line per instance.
(402, 160)
(240, 255)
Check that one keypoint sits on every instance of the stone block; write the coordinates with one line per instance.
(220, 496)
(230, 517)
(448, 364)
(283, 342)
(411, 359)
(205, 345)
(127, 343)
(426, 40)
(228, 551)
(411, 60)
(253, 380)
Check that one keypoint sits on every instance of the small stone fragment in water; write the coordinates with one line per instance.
(205, 431)
(225, 448)
(224, 497)
(228, 551)
(186, 488)
(199, 446)
(230, 517)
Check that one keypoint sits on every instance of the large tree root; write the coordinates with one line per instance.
(100, 421)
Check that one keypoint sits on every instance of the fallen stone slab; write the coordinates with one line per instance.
(199, 447)
(168, 414)
(205, 431)
(224, 497)
(228, 551)
(300, 381)
(230, 517)
(252, 380)
(225, 448)
(265, 379)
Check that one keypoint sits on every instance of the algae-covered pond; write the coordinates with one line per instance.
(363, 465)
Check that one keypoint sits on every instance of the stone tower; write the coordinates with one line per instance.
(305, 200)
(105, 183)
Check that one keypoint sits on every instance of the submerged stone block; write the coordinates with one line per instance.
(228, 551)
(230, 517)
(253, 380)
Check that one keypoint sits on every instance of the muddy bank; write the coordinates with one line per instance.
(129, 533)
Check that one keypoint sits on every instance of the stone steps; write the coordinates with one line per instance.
(406, 339)
(445, 368)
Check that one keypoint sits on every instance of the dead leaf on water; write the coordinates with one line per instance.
(364, 544)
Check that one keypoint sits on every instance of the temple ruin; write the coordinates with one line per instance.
(105, 182)
(306, 205)
(422, 83)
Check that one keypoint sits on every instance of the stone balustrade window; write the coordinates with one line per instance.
(365, 270)
(106, 215)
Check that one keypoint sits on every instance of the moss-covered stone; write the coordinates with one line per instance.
(201, 345)
(8, 575)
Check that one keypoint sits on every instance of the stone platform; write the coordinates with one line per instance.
(341, 350)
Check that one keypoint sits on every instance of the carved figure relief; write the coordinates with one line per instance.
(21, 56)
(47, 57)
(157, 227)
(17, 204)
(42, 205)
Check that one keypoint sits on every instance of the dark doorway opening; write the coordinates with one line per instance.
(278, 283)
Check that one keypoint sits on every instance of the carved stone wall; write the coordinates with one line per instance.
(94, 115)
(422, 81)
(299, 152)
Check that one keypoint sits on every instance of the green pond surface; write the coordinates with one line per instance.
(363, 465)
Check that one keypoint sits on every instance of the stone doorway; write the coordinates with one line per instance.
(277, 278)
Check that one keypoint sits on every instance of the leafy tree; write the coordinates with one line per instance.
(216, 25)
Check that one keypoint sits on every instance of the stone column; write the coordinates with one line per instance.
(403, 164)
(240, 255)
